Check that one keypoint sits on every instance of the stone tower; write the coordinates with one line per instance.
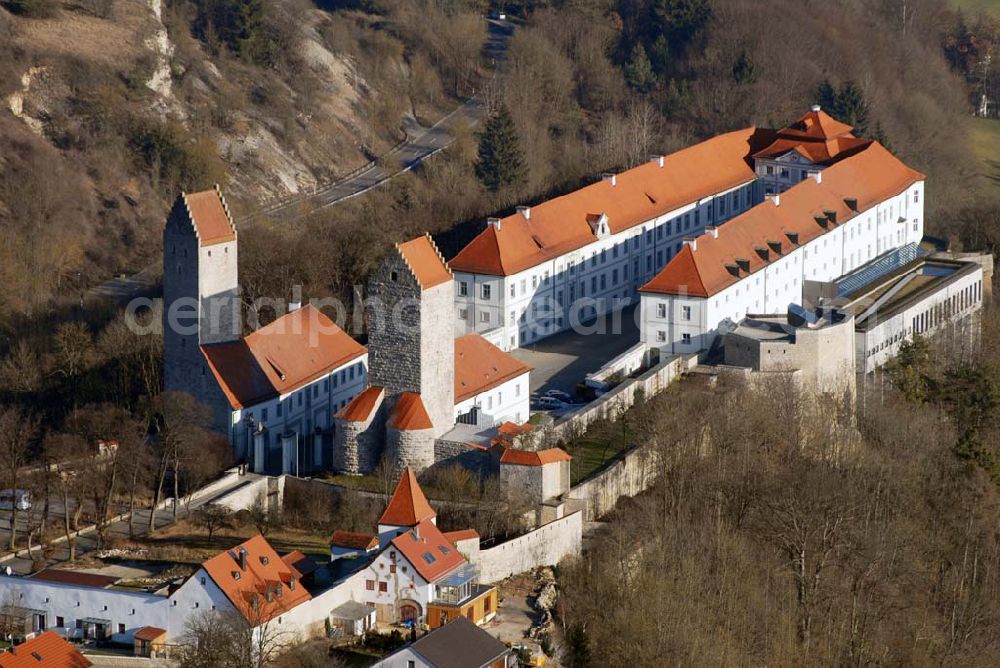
(200, 291)
(411, 347)
(411, 364)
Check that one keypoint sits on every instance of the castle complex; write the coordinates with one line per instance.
(735, 229)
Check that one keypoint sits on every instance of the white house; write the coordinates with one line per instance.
(491, 387)
(840, 217)
(546, 267)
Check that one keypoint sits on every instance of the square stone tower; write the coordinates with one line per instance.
(201, 302)
(411, 346)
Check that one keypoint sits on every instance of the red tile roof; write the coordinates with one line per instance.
(149, 633)
(209, 214)
(353, 540)
(265, 574)
(424, 260)
(460, 535)
(292, 351)
(75, 578)
(408, 505)
(430, 553)
(480, 366)
(817, 137)
(642, 193)
(47, 650)
(816, 124)
(361, 406)
(869, 177)
(534, 458)
(511, 429)
(409, 413)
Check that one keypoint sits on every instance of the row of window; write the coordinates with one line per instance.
(295, 400)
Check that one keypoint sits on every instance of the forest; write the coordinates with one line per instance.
(787, 531)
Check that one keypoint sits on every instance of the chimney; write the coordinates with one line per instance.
(692, 242)
(291, 583)
(815, 175)
(658, 159)
(294, 306)
(416, 532)
(713, 230)
(242, 557)
(815, 107)
(525, 211)
(773, 197)
(493, 222)
(610, 178)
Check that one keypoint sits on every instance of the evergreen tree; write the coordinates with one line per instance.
(852, 108)
(659, 54)
(744, 71)
(680, 20)
(639, 73)
(501, 162)
(826, 96)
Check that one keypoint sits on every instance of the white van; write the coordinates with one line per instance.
(11, 497)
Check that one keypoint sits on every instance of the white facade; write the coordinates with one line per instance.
(507, 402)
(953, 301)
(301, 412)
(680, 324)
(604, 275)
(390, 579)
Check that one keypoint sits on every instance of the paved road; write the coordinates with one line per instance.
(87, 542)
(424, 143)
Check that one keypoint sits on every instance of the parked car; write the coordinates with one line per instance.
(549, 403)
(565, 397)
(9, 497)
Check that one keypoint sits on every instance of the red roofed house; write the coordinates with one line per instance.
(273, 392)
(837, 204)
(46, 650)
(419, 573)
(539, 270)
(422, 380)
(539, 475)
(350, 545)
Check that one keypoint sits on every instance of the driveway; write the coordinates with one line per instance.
(561, 361)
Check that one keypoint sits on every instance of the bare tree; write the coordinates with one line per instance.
(17, 431)
(211, 517)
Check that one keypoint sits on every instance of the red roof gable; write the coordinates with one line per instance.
(209, 215)
(408, 505)
(480, 366)
(534, 458)
(353, 540)
(425, 261)
(868, 177)
(426, 548)
(409, 413)
(149, 633)
(642, 193)
(265, 575)
(292, 351)
(47, 650)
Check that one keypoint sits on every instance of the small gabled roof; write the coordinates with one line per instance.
(360, 408)
(149, 633)
(426, 548)
(302, 564)
(409, 413)
(75, 577)
(816, 124)
(459, 644)
(209, 215)
(481, 366)
(534, 458)
(47, 650)
(353, 540)
(425, 262)
(408, 505)
(460, 535)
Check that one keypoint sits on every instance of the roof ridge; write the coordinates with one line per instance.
(437, 252)
(225, 208)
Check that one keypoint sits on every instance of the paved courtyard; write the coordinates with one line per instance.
(563, 360)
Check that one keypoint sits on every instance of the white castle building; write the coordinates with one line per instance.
(855, 203)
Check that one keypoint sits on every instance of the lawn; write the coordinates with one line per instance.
(985, 133)
(598, 446)
(184, 543)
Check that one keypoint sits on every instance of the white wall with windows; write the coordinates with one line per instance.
(508, 401)
(594, 279)
(685, 324)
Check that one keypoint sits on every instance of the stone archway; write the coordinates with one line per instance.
(409, 610)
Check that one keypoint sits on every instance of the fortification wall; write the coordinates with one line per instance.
(545, 546)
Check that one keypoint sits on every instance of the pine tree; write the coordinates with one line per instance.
(826, 96)
(852, 108)
(639, 73)
(501, 162)
(659, 55)
(681, 20)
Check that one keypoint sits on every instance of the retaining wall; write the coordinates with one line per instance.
(545, 546)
